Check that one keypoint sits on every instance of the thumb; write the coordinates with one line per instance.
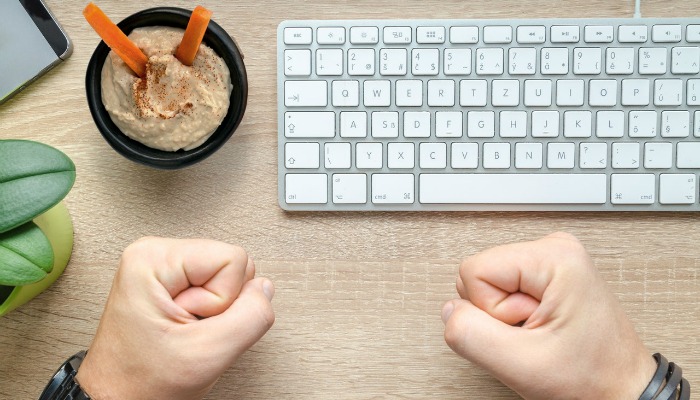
(475, 335)
(246, 320)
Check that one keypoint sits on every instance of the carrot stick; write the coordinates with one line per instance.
(116, 39)
(194, 33)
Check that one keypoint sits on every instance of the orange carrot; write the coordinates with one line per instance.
(194, 33)
(116, 39)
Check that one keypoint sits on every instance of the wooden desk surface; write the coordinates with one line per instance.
(358, 295)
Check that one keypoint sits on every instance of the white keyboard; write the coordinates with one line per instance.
(560, 115)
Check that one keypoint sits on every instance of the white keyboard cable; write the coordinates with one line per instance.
(637, 9)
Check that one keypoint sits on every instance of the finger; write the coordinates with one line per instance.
(246, 321)
(482, 339)
(461, 290)
(204, 277)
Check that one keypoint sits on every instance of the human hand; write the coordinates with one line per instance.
(180, 312)
(575, 341)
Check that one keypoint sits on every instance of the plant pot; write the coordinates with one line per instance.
(58, 228)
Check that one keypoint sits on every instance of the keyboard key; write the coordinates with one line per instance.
(565, 34)
(642, 124)
(448, 124)
(635, 92)
(337, 155)
(688, 155)
(570, 92)
(309, 124)
(538, 93)
(528, 155)
(409, 92)
(297, 62)
(545, 124)
(658, 155)
(353, 124)
(666, 33)
(329, 62)
(560, 155)
(619, 60)
(668, 92)
(693, 92)
(489, 61)
(480, 124)
(610, 124)
(472, 93)
(457, 62)
(465, 155)
(400, 155)
(349, 188)
(364, 35)
(652, 60)
(577, 124)
(305, 93)
(593, 155)
(498, 34)
(555, 61)
(430, 34)
(513, 188)
(696, 124)
(505, 92)
(625, 155)
(677, 189)
(361, 61)
(632, 188)
(416, 124)
(385, 124)
(297, 35)
(393, 61)
(433, 155)
(598, 34)
(368, 155)
(392, 188)
(531, 34)
(330, 35)
(464, 34)
(632, 33)
(301, 155)
(522, 61)
(397, 34)
(496, 155)
(692, 34)
(377, 93)
(587, 60)
(425, 61)
(513, 124)
(306, 188)
(346, 93)
(602, 92)
(441, 93)
(685, 60)
(675, 123)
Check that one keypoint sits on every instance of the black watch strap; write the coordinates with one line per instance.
(63, 385)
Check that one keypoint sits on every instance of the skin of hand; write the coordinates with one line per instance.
(539, 317)
(179, 314)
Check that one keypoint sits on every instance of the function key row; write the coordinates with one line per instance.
(496, 34)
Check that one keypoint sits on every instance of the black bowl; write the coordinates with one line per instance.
(216, 38)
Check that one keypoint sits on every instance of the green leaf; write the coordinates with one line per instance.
(26, 255)
(33, 178)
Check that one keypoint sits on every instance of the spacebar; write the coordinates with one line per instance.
(513, 188)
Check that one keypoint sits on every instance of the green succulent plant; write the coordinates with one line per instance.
(34, 178)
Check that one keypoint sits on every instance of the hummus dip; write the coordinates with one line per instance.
(175, 107)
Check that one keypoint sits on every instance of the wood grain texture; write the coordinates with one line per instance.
(358, 295)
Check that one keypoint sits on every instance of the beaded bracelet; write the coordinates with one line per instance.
(664, 385)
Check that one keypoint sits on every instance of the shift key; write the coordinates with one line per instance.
(309, 124)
